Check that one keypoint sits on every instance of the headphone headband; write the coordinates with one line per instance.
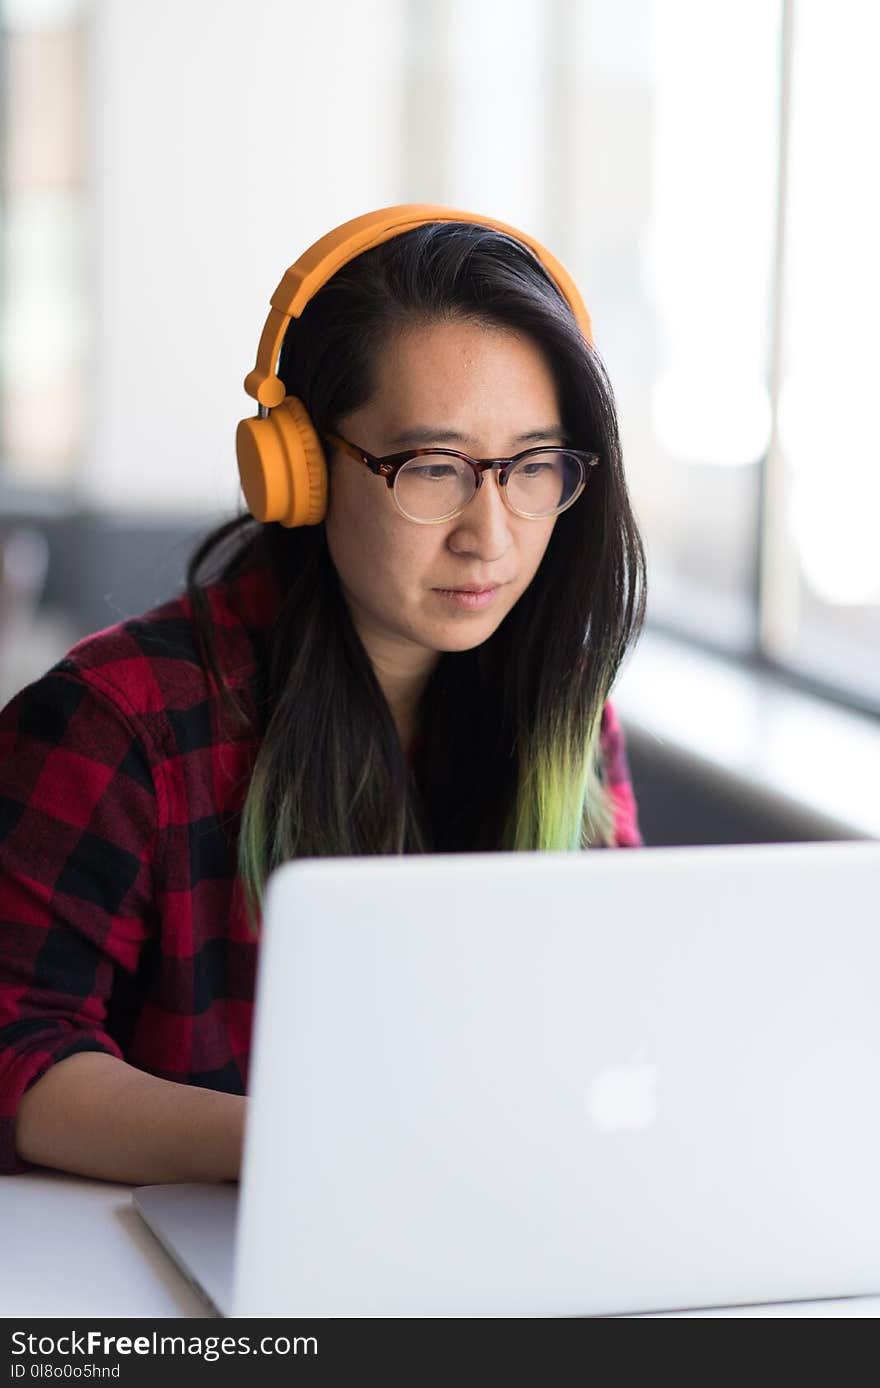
(320, 262)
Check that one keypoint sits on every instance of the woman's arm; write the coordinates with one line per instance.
(98, 1116)
(81, 886)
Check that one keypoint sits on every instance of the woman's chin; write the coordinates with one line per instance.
(464, 636)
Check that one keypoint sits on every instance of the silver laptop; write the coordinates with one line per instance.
(551, 1084)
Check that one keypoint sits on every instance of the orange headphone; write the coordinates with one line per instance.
(280, 458)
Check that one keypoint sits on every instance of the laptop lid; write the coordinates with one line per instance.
(195, 1222)
(564, 1084)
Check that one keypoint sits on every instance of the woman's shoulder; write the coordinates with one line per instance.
(611, 741)
(617, 778)
(147, 665)
(154, 662)
(149, 671)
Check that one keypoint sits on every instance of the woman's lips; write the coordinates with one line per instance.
(468, 600)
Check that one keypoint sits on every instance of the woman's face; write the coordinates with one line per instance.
(479, 389)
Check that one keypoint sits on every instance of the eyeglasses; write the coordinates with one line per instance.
(431, 485)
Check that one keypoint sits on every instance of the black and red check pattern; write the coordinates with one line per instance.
(122, 922)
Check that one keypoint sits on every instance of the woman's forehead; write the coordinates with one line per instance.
(451, 372)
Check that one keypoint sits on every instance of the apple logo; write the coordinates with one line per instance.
(624, 1096)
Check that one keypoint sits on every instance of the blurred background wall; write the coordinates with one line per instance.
(704, 171)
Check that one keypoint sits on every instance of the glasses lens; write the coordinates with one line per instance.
(433, 486)
(544, 483)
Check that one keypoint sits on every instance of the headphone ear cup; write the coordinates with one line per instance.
(282, 466)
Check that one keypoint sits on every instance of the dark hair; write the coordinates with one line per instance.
(510, 758)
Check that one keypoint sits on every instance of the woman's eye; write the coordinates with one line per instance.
(435, 472)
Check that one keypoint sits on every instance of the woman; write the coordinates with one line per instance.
(333, 687)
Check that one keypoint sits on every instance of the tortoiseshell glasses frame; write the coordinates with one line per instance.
(390, 465)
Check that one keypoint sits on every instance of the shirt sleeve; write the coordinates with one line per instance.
(615, 766)
(78, 832)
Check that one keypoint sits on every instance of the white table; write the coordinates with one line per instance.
(77, 1247)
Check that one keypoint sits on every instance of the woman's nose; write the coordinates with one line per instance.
(488, 502)
(486, 517)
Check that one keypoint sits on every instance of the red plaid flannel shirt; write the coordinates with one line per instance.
(122, 923)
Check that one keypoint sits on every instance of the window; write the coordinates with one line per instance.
(821, 590)
(45, 325)
(706, 172)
